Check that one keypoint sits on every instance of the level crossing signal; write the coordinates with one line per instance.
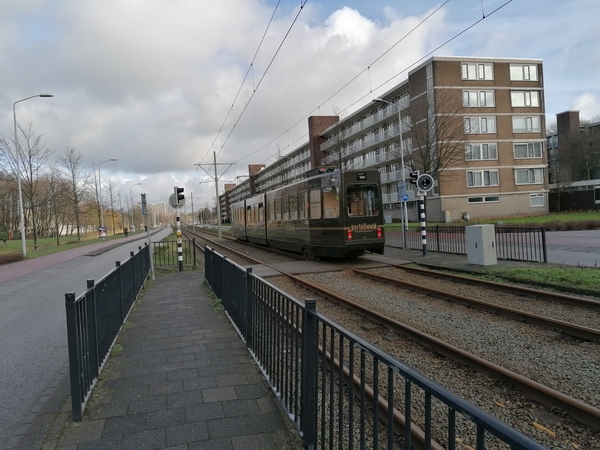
(425, 182)
(178, 196)
(414, 176)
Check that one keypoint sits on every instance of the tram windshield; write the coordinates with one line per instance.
(363, 200)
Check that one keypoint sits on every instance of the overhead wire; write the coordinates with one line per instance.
(251, 69)
(262, 78)
(387, 81)
(354, 78)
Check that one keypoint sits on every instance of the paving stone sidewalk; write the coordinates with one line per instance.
(183, 380)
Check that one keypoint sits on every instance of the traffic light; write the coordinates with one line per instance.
(425, 182)
(414, 176)
(179, 197)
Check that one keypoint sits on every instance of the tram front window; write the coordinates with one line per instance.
(362, 200)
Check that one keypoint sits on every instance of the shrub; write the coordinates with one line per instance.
(7, 258)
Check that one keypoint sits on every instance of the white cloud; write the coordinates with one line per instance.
(151, 81)
(588, 106)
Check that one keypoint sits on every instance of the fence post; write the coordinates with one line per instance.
(94, 307)
(437, 236)
(308, 419)
(132, 257)
(74, 362)
(249, 322)
(118, 265)
(544, 249)
(194, 246)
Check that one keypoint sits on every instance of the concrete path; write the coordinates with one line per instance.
(183, 380)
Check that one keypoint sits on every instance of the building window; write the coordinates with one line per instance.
(477, 151)
(522, 124)
(529, 176)
(478, 178)
(478, 98)
(523, 72)
(536, 200)
(527, 150)
(525, 98)
(479, 125)
(488, 199)
(477, 71)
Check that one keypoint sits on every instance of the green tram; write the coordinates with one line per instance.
(330, 213)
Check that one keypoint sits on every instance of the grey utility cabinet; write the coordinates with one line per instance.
(481, 245)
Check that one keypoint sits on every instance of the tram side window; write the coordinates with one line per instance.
(261, 212)
(363, 200)
(293, 207)
(331, 202)
(285, 208)
(278, 209)
(302, 204)
(248, 214)
(271, 209)
(315, 203)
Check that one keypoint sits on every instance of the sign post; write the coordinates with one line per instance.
(151, 249)
(176, 201)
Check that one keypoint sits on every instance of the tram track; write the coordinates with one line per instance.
(571, 329)
(578, 410)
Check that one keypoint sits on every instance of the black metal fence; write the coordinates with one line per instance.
(165, 253)
(339, 390)
(94, 320)
(512, 243)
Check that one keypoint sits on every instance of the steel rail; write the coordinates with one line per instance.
(588, 334)
(578, 410)
(399, 418)
(552, 296)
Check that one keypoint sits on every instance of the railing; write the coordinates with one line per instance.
(512, 243)
(165, 253)
(339, 390)
(94, 320)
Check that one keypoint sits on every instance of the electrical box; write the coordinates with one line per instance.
(447, 216)
(481, 245)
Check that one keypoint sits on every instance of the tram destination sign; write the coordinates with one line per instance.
(361, 176)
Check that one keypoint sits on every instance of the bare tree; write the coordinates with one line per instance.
(34, 155)
(437, 134)
(561, 179)
(583, 155)
(112, 194)
(78, 177)
(337, 148)
(59, 188)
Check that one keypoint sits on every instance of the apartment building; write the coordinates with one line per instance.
(475, 124)
(574, 163)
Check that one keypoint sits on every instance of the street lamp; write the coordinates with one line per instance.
(18, 160)
(100, 184)
(404, 212)
(131, 197)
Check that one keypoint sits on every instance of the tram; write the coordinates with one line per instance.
(330, 213)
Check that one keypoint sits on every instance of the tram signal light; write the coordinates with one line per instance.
(179, 197)
(414, 176)
(425, 182)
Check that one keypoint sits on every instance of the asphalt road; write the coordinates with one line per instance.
(33, 335)
(575, 248)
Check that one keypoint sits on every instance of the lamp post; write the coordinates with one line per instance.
(404, 212)
(100, 184)
(18, 161)
(131, 197)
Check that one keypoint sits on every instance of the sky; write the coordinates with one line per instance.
(162, 85)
